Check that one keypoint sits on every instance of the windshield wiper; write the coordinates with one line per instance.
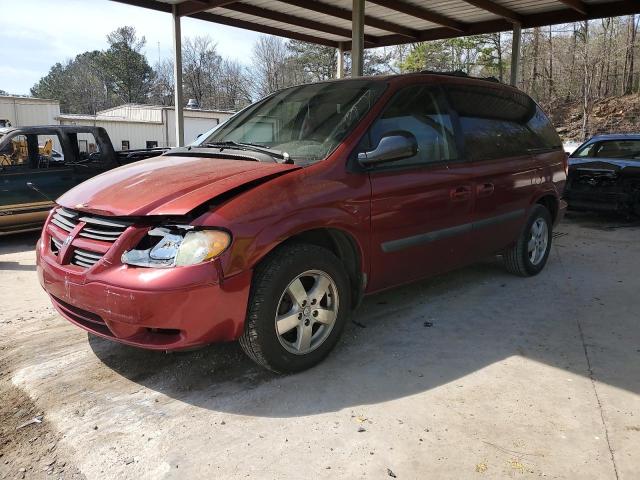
(255, 147)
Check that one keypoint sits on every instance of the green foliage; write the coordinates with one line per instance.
(477, 55)
(316, 62)
(128, 72)
(96, 80)
(78, 84)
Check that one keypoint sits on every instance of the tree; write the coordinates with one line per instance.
(315, 62)
(162, 88)
(235, 91)
(464, 54)
(201, 70)
(78, 84)
(491, 55)
(127, 70)
(273, 67)
(632, 31)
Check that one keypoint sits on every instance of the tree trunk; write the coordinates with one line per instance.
(534, 69)
(629, 60)
(550, 85)
(586, 84)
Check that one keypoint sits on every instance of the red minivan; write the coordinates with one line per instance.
(270, 229)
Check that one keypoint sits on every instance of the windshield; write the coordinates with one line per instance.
(306, 122)
(623, 149)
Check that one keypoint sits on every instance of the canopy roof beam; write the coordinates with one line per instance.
(295, 20)
(422, 13)
(256, 27)
(195, 6)
(496, 9)
(345, 14)
(577, 5)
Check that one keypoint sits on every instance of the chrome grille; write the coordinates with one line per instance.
(102, 229)
(56, 245)
(65, 219)
(107, 230)
(85, 258)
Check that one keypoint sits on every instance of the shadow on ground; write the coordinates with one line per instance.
(418, 337)
(18, 242)
(17, 266)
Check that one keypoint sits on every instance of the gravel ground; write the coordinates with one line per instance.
(474, 374)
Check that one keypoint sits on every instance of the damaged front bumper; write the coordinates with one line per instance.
(606, 190)
(161, 309)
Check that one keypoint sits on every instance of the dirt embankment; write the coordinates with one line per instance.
(28, 443)
(619, 114)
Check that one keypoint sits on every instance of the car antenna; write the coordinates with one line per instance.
(33, 187)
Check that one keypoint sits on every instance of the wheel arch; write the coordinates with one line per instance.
(551, 203)
(343, 245)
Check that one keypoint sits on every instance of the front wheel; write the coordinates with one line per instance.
(528, 256)
(299, 302)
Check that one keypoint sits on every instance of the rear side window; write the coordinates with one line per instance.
(625, 149)
(420, 110)
(499, 123)
(545, 132)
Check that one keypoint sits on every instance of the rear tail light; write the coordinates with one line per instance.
(566, 163)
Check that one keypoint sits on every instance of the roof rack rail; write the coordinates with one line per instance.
(460, 73)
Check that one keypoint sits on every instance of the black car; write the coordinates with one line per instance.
(604, 175)
(40, 163)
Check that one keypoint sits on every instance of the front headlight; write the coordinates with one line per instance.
(177, 246)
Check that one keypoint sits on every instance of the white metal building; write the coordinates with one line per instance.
(17, 111)
(145, 126)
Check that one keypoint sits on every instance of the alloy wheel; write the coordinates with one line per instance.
(307, 312)
(538, 242)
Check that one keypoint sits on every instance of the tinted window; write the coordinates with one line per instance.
(625, 149)
(421, 111)
(545, 132)
(499, 123)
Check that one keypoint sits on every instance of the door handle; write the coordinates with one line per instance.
(460, 193)
(485, 189)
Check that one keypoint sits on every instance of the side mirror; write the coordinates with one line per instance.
(395, 146)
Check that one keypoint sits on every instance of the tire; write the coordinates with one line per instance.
(277, 303)
(519, 259)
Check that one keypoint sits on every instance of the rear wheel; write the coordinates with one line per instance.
(529, 254)
(299, 302)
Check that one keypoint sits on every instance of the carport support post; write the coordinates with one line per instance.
(340, 66)
(177, 75)
(357, 38)
(515, 53)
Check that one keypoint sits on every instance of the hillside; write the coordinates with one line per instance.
(610, 115)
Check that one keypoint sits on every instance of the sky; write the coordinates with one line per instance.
(36, 34)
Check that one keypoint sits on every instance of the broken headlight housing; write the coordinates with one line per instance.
(177, 246)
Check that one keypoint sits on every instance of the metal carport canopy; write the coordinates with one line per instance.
(356, 24)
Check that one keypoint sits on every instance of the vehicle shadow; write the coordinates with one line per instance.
(17, 266)
(399, 343)
(606, 221)
(18, 242)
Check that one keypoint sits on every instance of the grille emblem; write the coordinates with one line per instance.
(67, 241)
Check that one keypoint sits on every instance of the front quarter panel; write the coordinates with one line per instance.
(315, 197)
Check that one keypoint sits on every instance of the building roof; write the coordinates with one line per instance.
(129, 113)
(145, 106)
(389, 22)
(27, 99)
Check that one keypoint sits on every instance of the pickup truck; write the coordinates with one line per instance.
(40, 163)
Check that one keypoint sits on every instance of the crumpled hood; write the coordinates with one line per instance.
(167, 185)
